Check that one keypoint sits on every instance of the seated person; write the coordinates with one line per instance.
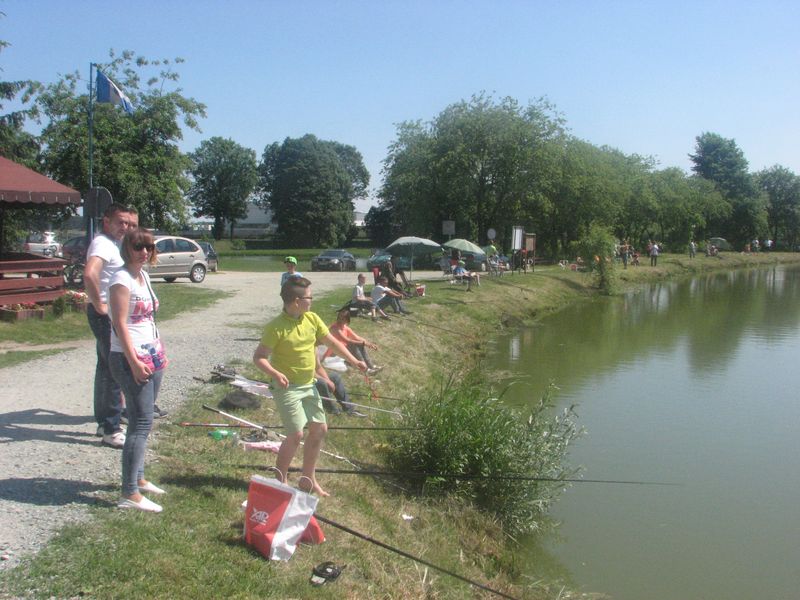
(331, 383)
(383, 295)
(460, 272)
(291, 269)
(354, 342)
(360, 300)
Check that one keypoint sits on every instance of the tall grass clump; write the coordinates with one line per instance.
(463, 429)
(597, 248)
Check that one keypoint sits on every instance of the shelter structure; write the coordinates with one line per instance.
(28, 277)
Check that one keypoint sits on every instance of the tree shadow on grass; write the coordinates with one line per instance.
(49, 491)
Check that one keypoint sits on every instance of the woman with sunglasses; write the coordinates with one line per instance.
(137, 361)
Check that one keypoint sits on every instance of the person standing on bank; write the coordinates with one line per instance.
(137, 360)
(102, 261)
(291, 269)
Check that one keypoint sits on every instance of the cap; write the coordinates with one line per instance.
(461, 262)
(290, 259)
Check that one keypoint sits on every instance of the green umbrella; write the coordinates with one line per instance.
(464, 246)
(410, 245)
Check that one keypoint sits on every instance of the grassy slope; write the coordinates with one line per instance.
(195, 549)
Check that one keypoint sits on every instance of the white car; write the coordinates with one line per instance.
(179, 257)
(43, 242)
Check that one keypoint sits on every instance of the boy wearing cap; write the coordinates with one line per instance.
(291, 269)
(287, 354)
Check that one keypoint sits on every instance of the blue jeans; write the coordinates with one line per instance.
(395, 303)
(107, 393)
(140, 400)
(340, 393)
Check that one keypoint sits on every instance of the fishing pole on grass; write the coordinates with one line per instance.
(379, 397)
(346, 427)
(404, 554)
(366, 406)
(262, 428)
(412, 474)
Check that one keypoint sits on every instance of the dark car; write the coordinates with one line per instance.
(211, 256)
(334, 260)
(74, 249)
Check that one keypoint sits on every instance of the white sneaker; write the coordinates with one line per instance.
(143, 504)
(115, 440)
(152, 488)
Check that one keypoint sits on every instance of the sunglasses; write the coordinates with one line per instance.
(148, 247)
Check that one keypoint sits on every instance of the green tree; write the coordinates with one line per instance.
(224, 174)
(15, 143)
(782, 190)
(482, 163)
(136, 157)
(597, 249)
(722, 162)
(311, 184)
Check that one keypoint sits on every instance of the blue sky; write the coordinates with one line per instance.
(644, 77)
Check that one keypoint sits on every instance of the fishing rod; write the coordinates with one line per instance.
(348, 427)
(434, 326)
(391, 412)
(482, 477)
(379, 397)
(411, 556)
(262, 428)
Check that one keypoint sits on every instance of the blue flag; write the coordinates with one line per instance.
(107, 91)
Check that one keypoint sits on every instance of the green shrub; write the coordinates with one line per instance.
(238, 245)
(59, 306)
(464, 430)
(597, 250)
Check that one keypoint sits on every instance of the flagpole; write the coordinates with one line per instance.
(91, 122)
(88, 220)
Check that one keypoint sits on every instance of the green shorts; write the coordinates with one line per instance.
(297, 405)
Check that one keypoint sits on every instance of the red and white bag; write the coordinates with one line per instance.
(278, 517)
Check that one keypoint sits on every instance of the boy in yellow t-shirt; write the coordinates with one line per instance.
(286, 353)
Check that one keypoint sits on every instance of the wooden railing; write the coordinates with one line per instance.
(30, 278)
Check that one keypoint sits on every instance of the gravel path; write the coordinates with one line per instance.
(52, 467)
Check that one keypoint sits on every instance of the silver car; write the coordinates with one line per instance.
(179, 257)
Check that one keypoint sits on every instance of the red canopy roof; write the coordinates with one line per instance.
(21, 185)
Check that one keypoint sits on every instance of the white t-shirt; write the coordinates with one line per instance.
(379, 292)
(108, 250)
(358, 292)
(141, 322)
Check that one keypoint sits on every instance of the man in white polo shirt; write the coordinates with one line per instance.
(102, 260)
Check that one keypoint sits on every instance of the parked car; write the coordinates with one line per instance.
(211, 256)
(179, 257)
(42, 242)
(377, 259)
(74, 249)
(333, 260)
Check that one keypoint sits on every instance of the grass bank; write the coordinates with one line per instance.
(194, 549)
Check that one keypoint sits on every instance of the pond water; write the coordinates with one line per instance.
(693, 383)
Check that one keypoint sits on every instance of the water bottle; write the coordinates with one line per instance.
(157, 362)
(219, 434)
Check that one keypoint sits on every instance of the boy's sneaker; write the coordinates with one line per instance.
(354, 413)
(159, 412)
(123, 418)
(114, 440)
(101, 431)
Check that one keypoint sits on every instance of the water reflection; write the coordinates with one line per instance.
(710, 315)
(694, 382)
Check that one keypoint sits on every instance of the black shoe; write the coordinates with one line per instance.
(159, 412)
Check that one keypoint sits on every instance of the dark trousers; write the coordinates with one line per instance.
(340, 393)
(107, 392)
